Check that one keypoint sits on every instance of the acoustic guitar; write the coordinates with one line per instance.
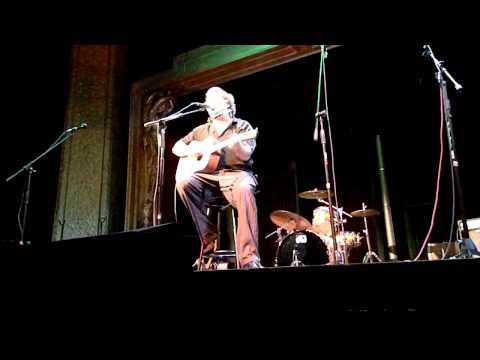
(207, 161)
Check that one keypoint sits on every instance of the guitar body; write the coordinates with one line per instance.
(189, 165)
(208, 162)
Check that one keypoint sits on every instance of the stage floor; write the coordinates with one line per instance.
(405, 285)
(139, 263)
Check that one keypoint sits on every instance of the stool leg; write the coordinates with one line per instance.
(200, 259)
(235, 237)
(219, 230)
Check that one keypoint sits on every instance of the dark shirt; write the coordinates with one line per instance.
(228, 159)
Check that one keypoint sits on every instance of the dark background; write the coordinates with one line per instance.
(386, 89)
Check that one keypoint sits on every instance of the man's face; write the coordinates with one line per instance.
(218, 106)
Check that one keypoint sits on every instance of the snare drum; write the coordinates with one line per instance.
(344, 238)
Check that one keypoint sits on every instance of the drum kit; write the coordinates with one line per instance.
(301, 242)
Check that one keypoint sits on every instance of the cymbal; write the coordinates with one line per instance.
(289, 221)
(365, 213)
(313, 194)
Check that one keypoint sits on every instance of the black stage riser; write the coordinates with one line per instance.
(158, 261)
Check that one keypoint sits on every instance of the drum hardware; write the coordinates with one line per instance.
(322, 225)
(340, 211)
(370, 255)
(277, 231)
(321, 221)
(365, 213)
(289, 221)
(300, 243)
(314, 194)
(299, 246)
(346, 240)
(296, 262)
(280, 237)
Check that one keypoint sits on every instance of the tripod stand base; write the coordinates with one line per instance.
(370, 256)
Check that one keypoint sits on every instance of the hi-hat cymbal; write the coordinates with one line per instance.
(289, 221)
(365, 213)
(313, 194)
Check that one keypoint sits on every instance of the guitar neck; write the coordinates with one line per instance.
(219, 146)
(242, 136)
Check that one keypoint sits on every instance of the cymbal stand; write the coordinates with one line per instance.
(370, 255)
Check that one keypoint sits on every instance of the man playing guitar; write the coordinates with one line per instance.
(227, 143)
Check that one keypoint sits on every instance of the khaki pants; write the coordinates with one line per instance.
(238, 187)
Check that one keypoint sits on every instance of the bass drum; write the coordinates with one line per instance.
(311, 250)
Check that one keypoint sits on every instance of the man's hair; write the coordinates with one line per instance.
(225, 95)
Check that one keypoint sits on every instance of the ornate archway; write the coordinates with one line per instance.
(193, 71)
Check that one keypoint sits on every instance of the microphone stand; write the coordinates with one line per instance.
(467, 247)
(329, 192)
(67, 134)
(319, 118)
(161, 129)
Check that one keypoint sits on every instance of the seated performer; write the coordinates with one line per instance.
(201, 172)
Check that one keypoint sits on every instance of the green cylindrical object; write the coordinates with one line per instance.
(387, 211)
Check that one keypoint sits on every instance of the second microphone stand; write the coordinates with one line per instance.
(67, 134)
(467, 247)
(161, 129)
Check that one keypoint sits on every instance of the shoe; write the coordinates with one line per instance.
(196, 265)
(201, 265)
(210, 248)
(255, 264)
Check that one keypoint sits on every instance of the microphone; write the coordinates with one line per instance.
(75, 128)
(202, 105)
(315, 132)
(426, 50)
